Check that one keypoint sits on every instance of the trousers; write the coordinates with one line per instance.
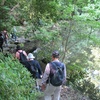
(38, 83)
(52, 91)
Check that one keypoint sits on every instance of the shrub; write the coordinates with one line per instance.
(15, 80)
(77, 78)
(88, 88)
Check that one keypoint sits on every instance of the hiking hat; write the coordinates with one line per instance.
(30, 56)
(55, 54)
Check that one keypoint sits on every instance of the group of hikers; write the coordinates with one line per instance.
(51, 80)
(32, 65)
(4, 38)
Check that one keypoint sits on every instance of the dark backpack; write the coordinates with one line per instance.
(22, 57)
(56, 73)
(33, 70)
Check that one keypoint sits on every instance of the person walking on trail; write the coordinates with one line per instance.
(50, 84)
(5, 36)
(13, 34)
(21, 55)
(1, 42)
(35, 69)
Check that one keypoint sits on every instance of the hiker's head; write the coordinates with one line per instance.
(18, 47)
(55, 54)
(5, 31)
(30, 56)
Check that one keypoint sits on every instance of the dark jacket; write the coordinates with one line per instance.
(36, 64)
(1, 43)
(1, 40)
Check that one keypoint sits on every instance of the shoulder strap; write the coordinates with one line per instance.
(20, 52)
(29, 63)
(57, 66)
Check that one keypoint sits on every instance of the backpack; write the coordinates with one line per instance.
(5, 35)
(33, 70)
(1, 40)
(22, 57)
(56, 73)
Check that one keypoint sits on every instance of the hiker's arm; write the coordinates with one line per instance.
(39, 69)
(46, 74)
(17, 55)
(25, 53)
(45, 77)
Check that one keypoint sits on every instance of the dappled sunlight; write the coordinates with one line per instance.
(96, 53)
(94, 70)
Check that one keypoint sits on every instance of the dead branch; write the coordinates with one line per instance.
(14, 7)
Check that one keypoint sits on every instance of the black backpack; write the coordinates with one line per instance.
(33, 69)
(56, 73)
(22, 57)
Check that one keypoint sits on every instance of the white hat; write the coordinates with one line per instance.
(30, 56)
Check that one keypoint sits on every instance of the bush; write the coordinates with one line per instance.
(76, 78)
(15, 80)
(88, 88)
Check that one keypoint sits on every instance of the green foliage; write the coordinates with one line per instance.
(76, 29)
(80, 71)
(75, 73)
(15, 12)
(87, 87)
(95, 40)
(15, 80)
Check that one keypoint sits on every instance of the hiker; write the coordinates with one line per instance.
(5, 36)
(36, 71)
(48, 86)
(13, 36)
(21, 55)
(1, 42)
